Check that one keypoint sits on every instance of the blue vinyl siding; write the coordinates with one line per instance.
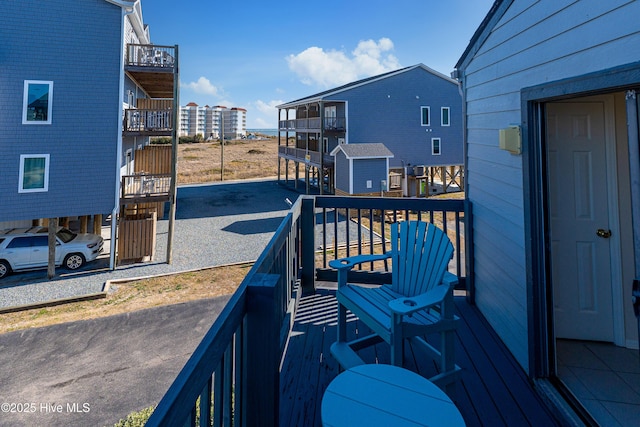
(389, 111)
(368, 169)
(342, 172)
(532, 43)
(76, 46)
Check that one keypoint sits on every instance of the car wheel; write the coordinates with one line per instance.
(5, 269)
(74, 261)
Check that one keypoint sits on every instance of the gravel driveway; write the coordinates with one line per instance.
(216, 224)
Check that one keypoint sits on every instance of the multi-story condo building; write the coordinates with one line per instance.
(206, 120)
(235, 123)
(192, 119)
(83, 90)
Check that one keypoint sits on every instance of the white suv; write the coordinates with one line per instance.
(28, 248)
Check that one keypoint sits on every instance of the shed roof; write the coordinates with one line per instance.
(322, 95)
(365, 150)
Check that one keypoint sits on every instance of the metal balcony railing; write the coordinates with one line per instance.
(145, 185)
(144, 55)
(314, 123)
(142, 120)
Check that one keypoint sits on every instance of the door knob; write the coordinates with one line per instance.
(605, 234)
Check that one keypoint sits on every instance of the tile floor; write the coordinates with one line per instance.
(604, 378)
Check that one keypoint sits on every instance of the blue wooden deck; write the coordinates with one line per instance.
(493, 389)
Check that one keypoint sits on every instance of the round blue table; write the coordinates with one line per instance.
(384, 395)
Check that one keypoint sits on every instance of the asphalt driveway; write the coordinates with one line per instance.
(95, 372)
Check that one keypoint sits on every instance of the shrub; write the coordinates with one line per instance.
(136, 419)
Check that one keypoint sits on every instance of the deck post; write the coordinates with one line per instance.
(308, 245)
(261, 379)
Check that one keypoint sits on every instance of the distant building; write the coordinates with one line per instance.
(410, 119)
(205, 121)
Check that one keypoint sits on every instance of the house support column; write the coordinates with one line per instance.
(84, 220)
(286, 171)
(173, 190)
(51, 265)
(97, 224)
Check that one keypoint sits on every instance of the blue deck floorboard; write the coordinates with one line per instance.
(493, 389)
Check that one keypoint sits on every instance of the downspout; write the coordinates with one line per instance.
(321, 149)
(468, 220)
(127, 9)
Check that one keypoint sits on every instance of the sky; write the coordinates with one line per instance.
(256, 54)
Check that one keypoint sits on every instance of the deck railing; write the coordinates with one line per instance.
(147, 55)
(360, 225)
(232, 378)
(143, 120)
(145, 185)
(299, 154)
(330, 124)
(338, 124)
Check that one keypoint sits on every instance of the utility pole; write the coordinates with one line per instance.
(221, 145)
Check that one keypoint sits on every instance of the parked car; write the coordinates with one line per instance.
(28, 249)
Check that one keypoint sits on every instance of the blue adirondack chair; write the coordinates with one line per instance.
(419, 300)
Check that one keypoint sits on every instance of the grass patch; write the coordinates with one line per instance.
(134, 295)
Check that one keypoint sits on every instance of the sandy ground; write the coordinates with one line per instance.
(243, 159)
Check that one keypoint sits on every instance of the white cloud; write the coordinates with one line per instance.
(202, 86)
(329, 68)
(266, 113)
(261, 123)
(267, 107)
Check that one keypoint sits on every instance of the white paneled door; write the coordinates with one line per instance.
(579, 220)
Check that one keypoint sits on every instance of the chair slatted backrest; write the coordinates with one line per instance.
(422, 253)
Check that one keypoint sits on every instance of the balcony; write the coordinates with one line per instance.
(305, 156)
(331, 124)
(145, 188)
(153, 67)
(266, 359)
(145, 122)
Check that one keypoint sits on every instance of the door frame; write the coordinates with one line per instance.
(615, 248)
(541, 339)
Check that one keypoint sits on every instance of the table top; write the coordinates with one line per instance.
(384, 395)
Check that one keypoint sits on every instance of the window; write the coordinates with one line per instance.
(425, 113)
(330, 117)
(20, 242)
(445, 116)
(435, 146)
(37, 101)
(34, 173)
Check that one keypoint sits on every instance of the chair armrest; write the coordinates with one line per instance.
(409, 305)
(450, 279)
(350, 262)
(344, 265)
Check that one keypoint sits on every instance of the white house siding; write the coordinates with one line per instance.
(533, 43)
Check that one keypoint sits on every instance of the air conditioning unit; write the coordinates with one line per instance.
(419, 170)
